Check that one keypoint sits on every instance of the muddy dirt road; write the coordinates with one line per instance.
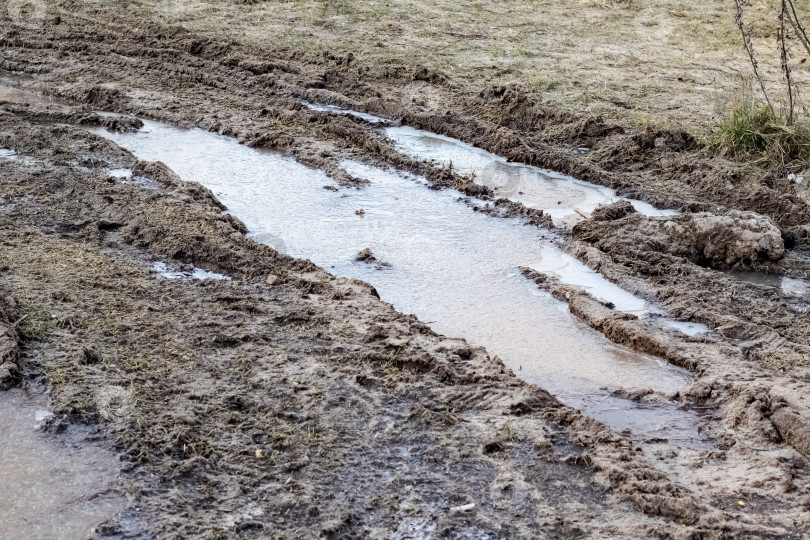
(249, 393)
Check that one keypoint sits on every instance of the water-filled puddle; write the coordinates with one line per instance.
(571, 271)
(796, 291)
(53, 486)
(338, 110)
(564, 198)
(455, 269)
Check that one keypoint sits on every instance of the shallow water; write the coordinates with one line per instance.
(338, 110)
(571, 271)
(457, 270)
(188, 271)
(796, 291)
(757, 278)
(563, 197)
(22, 96)
(53, 486)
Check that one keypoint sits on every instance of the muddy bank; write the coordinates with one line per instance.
(256, 406)
(245, 409)
(286, 400)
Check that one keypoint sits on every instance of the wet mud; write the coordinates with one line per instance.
(286, 401)
(257, 406)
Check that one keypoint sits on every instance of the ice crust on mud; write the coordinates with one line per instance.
(190, 272)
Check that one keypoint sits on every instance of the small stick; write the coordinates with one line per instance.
(749, 48)
(784, 57)
(797, 26)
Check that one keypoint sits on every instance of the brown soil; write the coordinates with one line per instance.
(288, 402)
(303, 407)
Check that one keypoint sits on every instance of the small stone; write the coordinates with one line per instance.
(272, 280)
(366, 256)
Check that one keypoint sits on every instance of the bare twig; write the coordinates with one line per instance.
(797, 26)
(749, 47)
(783, 52)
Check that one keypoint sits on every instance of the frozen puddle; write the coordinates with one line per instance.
(563, 197)
(457, 270)
(571, 271)
(54, 486)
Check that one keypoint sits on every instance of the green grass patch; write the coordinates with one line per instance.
(763, 137)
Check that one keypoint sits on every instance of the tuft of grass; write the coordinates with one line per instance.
(508, 432)
(763, 137)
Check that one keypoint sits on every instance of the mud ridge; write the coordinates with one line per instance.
(9, 347)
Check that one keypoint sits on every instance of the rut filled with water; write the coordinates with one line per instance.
(54, 487)
(454, 268)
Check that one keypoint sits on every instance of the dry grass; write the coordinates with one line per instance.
(673, 62)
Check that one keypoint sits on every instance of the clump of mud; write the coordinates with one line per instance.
(609, 212)
(718, 241)
(366, 256)
(726, 240)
